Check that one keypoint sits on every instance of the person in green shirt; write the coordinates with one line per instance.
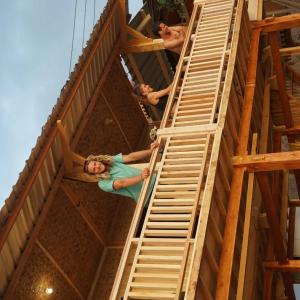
(115, 176)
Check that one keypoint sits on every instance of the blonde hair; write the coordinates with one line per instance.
(107, 160)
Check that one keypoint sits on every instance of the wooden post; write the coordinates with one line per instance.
(291, 232)
(226, 260)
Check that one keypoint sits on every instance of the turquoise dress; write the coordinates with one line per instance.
(120, 170)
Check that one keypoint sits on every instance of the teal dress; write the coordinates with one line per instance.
(120, 170)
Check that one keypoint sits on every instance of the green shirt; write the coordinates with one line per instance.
(119, 170)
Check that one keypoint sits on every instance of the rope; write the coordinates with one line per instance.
(84, 19)
(74, 21)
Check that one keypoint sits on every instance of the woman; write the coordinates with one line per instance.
(149, 96)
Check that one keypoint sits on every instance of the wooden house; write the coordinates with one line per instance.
(220, 223)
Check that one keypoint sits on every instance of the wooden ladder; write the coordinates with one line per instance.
(159, 267)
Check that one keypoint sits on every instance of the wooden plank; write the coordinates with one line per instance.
(265, 123)
(288, 266)
(171, 131)
(123, 22)
(266, 193)
(136, 34)
(137, 46)
(246, 230)
(294, 202)
(289, 51)
(277, 23)
(268, 287)
(226, 260)
(291, 232)
(284, 100)
(255, 9)
(268, 161)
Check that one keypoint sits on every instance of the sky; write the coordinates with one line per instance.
(36, 40)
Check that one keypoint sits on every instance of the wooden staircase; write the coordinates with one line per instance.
(159, 269)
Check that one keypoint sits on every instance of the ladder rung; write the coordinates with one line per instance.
(193, 122)
(158, 267)
(150, 296)
(171, 217)
(166, 202)
(156, 275)
(172, 209)
(166, 233)
(176, 187)
(156, 286)
(169, 225)
(162, 248)
(176, 180)
(162, 258)
(176, 173)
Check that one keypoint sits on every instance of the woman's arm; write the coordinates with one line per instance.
(153, 97)
(129, 181)
(133, 156)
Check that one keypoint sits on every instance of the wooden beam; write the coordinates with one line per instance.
(179, 131)
(135, 68)
(83, 212)
(288, 131)
(123, 22)
(289, 51)
(268, 287)
(277, 23)
(284, 100)
(266, 194)
(137, 46)
(145, 21)
(279, 248)
(255, 9)
(265, 124)
(291, 232)
(60, 270)
(230, 232)
(288, 266)
(268, 161)
(136, 34)
(244, 260)
(294, 202)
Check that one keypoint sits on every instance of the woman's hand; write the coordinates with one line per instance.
(145, 173)
(153, 146)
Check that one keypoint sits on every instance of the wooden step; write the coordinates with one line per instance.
(171, 209)
(166, 233)
(150, 296)
(168, 225)
(170, 217)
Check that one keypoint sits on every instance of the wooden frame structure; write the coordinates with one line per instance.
(216, 223)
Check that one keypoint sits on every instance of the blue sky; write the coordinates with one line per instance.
(36, 37)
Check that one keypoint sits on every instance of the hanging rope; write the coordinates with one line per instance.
(74, 22)
(84, 19)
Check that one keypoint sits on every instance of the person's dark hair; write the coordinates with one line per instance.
(156, 28)
(137, 89)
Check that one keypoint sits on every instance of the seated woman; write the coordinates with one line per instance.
(149, 96)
